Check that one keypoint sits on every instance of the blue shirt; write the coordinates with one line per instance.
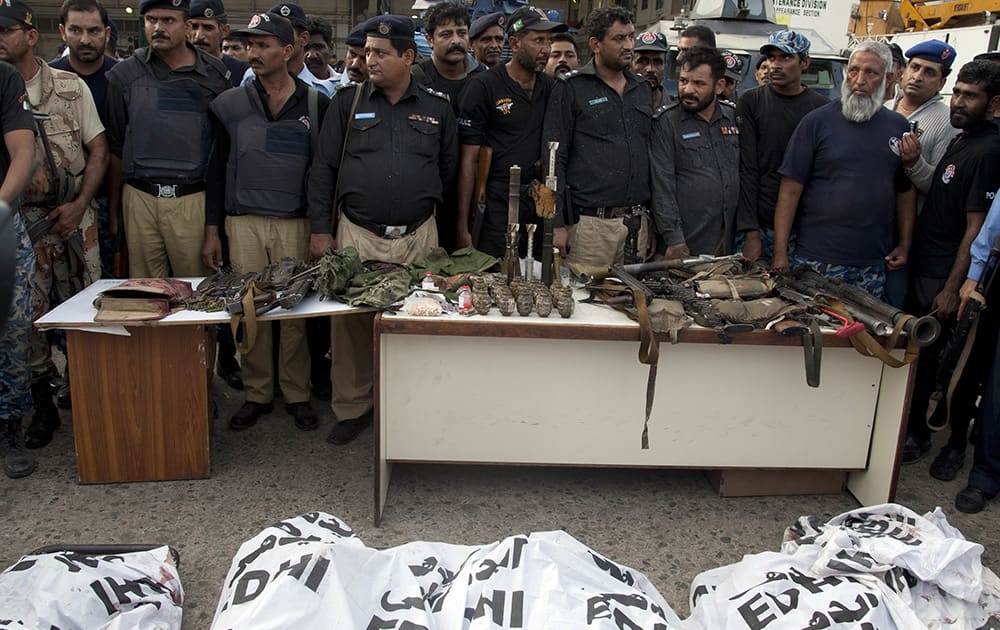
(851, 173)
(987, 236)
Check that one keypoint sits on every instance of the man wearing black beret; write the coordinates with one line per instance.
(486, 35)
(209, 26)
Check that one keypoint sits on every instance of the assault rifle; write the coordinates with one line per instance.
(956, 351)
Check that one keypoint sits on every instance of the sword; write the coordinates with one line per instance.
(529, 261)
(547, 220)
(511, 259)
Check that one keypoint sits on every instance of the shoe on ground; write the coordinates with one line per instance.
(305, 417)
(345, 431)
(946, 465)
(230, 372)
(914, 450)
(972, 500)
(17, 460)
(44, 423)
(248, 414)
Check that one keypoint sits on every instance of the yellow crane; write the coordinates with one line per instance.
(922, 15)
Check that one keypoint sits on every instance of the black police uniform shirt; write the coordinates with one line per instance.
(97, 82)
(237, 69)
(13, 113)
(603, 138)
(427, 75)
(965, 180)
(295, 108)
(398, 158)
(497, 112)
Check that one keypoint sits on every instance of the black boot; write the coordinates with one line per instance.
(17, 460)
(45, 420)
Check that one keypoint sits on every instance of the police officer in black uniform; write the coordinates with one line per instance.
(160, 130)
(400, 151)
(601, 116)
(209, 26)
(268, 124)
(504, 110)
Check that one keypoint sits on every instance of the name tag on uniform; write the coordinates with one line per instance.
(730, 131)
(691, 136)
(598, 101)
(363, 115)
(430, 120)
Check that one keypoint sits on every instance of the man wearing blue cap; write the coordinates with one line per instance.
(297, 64)
(767, 116)
(163, 92)
(265, 211)
(920, 101)
(209, 26)
(843, 185)
(486, 35)
(504, 109)
(387, 151)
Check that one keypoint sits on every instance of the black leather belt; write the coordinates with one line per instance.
(166, 191)
(389, 231)
(613, 212)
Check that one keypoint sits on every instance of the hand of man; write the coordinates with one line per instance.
(753, 248)
(680, 250)
(946, 302)
(560, 240)
(964, 293)
(909, 149)
(67, 219)
(463, 239)
(780, 262)
(211, 251)
(896, 259)
(318, 244)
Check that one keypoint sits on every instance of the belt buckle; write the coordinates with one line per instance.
(395, 231)
(601, 213)
(166, 191)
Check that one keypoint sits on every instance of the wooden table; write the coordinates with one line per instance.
(140, 390)
(513, 390)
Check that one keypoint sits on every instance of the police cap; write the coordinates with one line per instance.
(269, 24)
(734, 65)
(291, 12)
(933, 50)
(480, 25)
(651, 42)
(390, 26)
(357, 36)
(177, 5)
(15, 12)
(532, 19)
(207, 9)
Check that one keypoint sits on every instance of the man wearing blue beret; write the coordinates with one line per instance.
(486, 35)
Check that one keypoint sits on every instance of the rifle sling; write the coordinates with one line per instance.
(248, 319)
(649, 354)
(866, 344)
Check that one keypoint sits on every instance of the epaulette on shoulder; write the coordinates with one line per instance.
(665, 108)
(344, 86)
(727, 102)
(569, 75)
(436, 93)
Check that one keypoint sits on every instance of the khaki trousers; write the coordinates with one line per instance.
(164, 236)
(352, 337)
(601, 242)
(254, 243)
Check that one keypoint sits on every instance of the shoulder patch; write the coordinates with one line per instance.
(569, 75)
(727, 103)
(665, 108)
(436, 93)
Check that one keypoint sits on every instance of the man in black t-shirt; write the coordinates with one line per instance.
(17, 154)
(504, 109)
(961, 191)
(767, 116)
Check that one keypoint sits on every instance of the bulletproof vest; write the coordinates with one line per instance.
(268, 160)
(60, 100)
(169, 135)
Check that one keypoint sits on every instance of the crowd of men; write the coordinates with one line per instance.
(287, 153)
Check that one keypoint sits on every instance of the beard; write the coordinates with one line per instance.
(859, 108)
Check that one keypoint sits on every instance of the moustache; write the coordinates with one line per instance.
(562, 66)
(456, 48)
(160, 36)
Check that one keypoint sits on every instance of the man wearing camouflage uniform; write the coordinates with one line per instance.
(58, 207)
(16, 160)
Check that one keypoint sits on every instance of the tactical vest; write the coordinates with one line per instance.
(60, 100)
(268, 160)
(169, 135)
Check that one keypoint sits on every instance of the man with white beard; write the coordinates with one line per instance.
(842, 179)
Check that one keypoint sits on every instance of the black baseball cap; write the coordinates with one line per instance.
(177, 5)
(15, 12)
(269, 24)
(207, 9)
(651, 42)
(292, 12)
(532, 19)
